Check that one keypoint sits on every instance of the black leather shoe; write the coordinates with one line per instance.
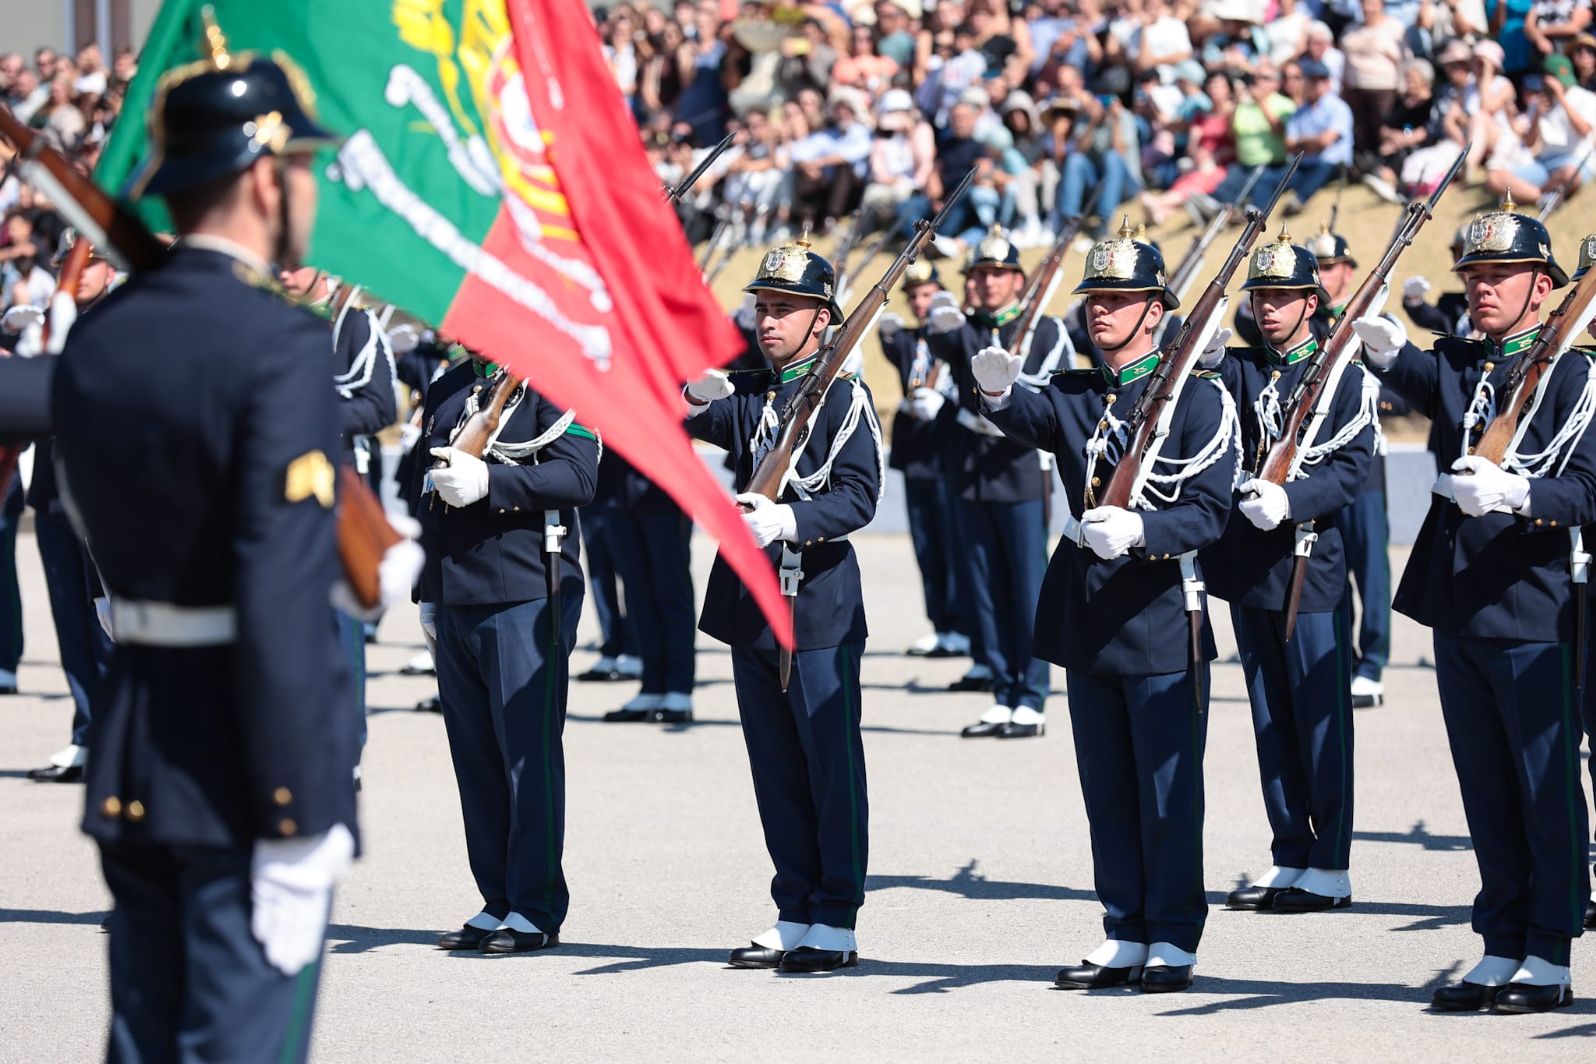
(629, 716)
(982, 730)
(1166, 978)
(1089, 976)
(598, 675)
(809, 959)
(466, 937)
(1463, 997)
(673, 716)
(56, 774)
(1255, 899)
(429, 705)
(1297, 900)
(754, 955)
(1522, 997)
(509, 940)
(971, 683)
(1022, 731)
(1590, 914)
(8, 688)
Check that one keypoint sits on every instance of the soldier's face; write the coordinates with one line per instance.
(1113, 317)
(787, 325)
(1502, 294)
(994, 287)
(920, 297)
(1336, 276)
(93, 282)
(301, 280)
(1282, 313)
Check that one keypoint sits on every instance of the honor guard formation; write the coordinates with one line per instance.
(1182, 439)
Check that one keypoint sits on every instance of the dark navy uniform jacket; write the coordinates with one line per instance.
(918, 447)
(1449, 315)
(491, 552)
(196, 437)
(370, 404)
(1250, 567)
(25, 397)
(1500, 576)
(1127, 616)
(830, 607)
(984, 468)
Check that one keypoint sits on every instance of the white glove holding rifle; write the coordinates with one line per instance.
(945, 315)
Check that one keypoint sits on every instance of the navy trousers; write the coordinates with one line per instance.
(930, 518)
(1588, 696)
(1514, 733)
(189, 982)
(1139, 744)
(1302, 722)
(807, 758)
(502, 686)
(10, 593)
(598, 548)
(1006, 548)
(352, 638)
(85, 648)
(653, 552)
(1366, 535)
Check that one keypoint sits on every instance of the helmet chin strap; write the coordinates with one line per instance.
(1301, 317)
(1528, 295)
(280, 250)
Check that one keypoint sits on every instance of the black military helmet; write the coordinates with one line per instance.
(1282, 264)
(1504, 236)
(1587, 257)
(69, 240)
(214, 117)
(796, 267)
(919, 272)
(994, 249)
(1125, 264)
(1331, 248)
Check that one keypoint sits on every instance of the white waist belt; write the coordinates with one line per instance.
(1443, 487)
(978, 424)
(1072, 530)
(162, 624)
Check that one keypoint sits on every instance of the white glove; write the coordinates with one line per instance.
(1382, 339)
(1265, 504)
(21, 317)
(768, 521)
(889, 326)
(402, 339)
(1111, 531)
(1485, 486)
(291, 883)
(409, 434)
(945, 316)
(743, 317)
(926, 403)
(462, 479)
(996, 370)
(1214, 353)
(401, 564)
(1414, 289)
(714, 384)
(102, 613)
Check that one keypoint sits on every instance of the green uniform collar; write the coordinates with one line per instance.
(1512, 345)
(1133, 372)
(1000, 319)
(484, 369)
(793, 370)
(1290, 358)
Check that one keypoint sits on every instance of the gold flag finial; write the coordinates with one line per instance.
(1125, 230)
(1507, 202)
(215, 42)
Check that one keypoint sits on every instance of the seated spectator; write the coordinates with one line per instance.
(1005, 41)
(756, 180)
(1412, 124)
(1482, 108)
(864, 67)
(1025, 162)
(806, 59)
(1161, 40)
(1557, 132)
(828, 164)
(1257, 126)
(901, 159)
(1211, 148)
(1505, 24)
(1374, 52)
(1320, 46)
(1321, 130)
(894, 33)
(1072, 39)
(1287, 32)
(1101, 150)
(958, 152)
(1239, 44)
(1446, 20)
(1584, 56)
(1552, 24)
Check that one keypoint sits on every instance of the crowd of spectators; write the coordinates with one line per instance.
(72, 100)
(1066, 108)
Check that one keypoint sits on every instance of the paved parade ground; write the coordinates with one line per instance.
(980, 888)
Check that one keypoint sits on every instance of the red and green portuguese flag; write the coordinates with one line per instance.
(492, 183)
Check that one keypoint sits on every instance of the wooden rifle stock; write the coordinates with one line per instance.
(479, 428)
(1531, 364)
(130, 246)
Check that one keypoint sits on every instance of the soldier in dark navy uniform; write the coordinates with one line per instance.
(1587, 258)
(603, 542)
(919, 450)
(194, 435)
(1492, 573)
(804, 745)
(1000, 488)
(1299, 688)
(505, 584)
(1114, 613)
(1449, 314)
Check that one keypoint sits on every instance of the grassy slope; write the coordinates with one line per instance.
(1364, 220)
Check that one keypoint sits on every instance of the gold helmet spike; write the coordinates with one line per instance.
(1285, 235)
(1125, 230)
(215, 42)
(803, 237)
(1507, 202)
